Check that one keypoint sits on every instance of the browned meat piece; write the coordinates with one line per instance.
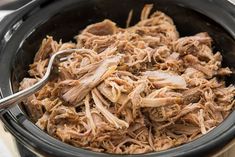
(88, 114)
(146, 11)
(224, 71)
(163, 143)
(193, 44)
(188, 109)
(201, 121)
(109, 93)
(90, 80)
(158, 102)
(32, 105)
(27, 82)
(42, 122)
(109, 116)
(192, 95)
(38, 69)
(161, 79)
(106, 27)
(48, 46)
(184, 129)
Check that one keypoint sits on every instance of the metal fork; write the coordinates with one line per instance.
(19, 96)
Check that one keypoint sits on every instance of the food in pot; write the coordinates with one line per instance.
(133, 90)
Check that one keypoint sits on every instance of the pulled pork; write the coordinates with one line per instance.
(133, 90)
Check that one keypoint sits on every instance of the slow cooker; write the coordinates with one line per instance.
(22, 31)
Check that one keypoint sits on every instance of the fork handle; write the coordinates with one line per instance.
(19, 96)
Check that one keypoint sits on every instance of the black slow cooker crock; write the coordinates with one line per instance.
(22, 32)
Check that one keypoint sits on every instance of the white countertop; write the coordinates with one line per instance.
(7, 144)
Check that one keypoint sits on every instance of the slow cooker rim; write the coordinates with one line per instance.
(80, 149)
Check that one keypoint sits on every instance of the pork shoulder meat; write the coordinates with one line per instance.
(131, 90)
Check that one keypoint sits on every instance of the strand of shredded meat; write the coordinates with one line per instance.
(133, 90)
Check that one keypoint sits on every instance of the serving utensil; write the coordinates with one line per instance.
(19, 96)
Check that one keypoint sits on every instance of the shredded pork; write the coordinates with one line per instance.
(133, 90)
